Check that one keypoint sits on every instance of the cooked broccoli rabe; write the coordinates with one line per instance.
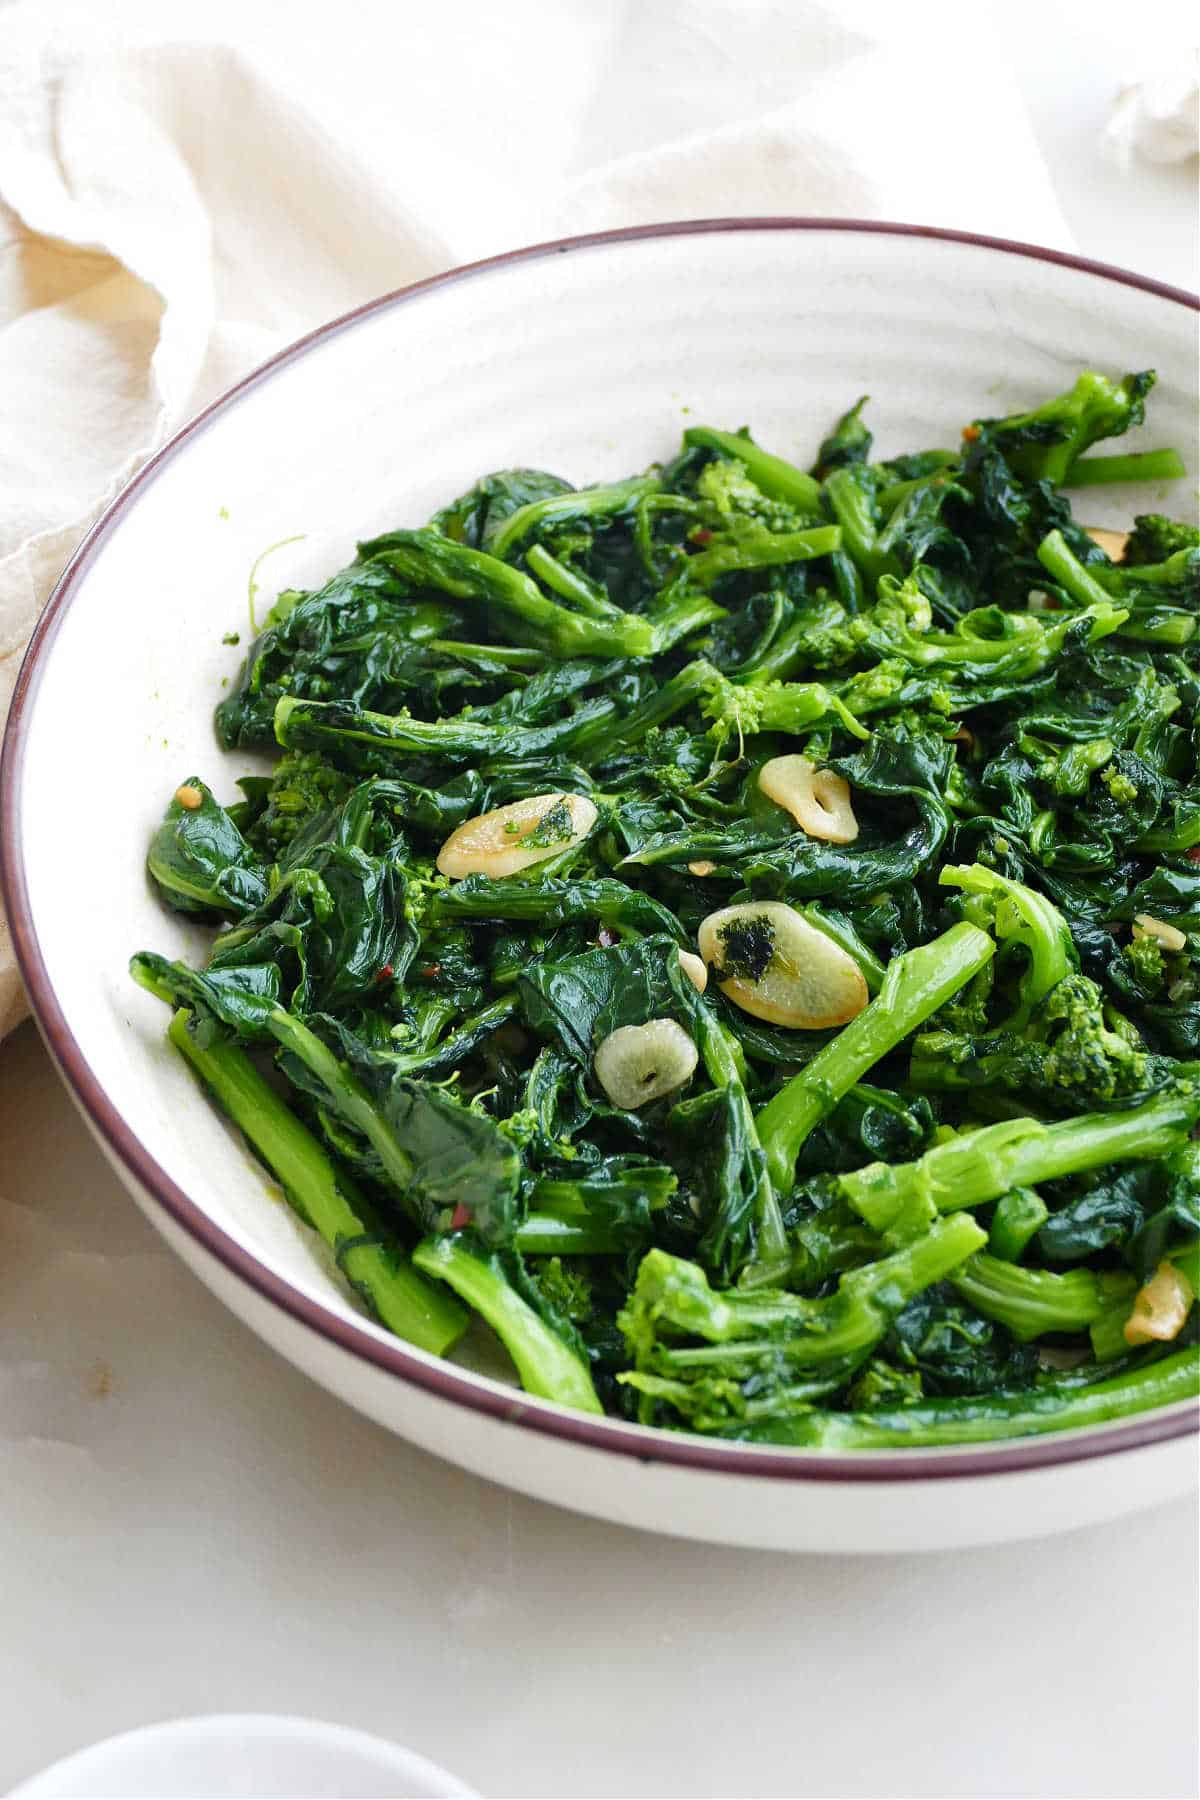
(928, 750)
(1154, 539)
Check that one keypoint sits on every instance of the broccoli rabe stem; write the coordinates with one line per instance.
(679, 610)
(778, 479)
(564, 509)
(544, 1234)
(915, 985)
(849, 497)
(888, 498)
(510, 656)
(544, 1363)
(610, 736)
(428, 559)
(1043, 444)
(1032, 1302)
(1061, 563)
(792, 707)
(349, 1098)
(761, 549)
(969, 1420)
(594, 729)
(587, 596)
(322, 1194)
(778, 1330)
(1018, 1218)
(339, 730)
(1022, 917)
(1135, 465)
(979, 1166)
(1165, 624)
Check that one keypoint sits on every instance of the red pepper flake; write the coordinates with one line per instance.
(970, 434)
(386, 973)
(430, 971)
(1193, 854)
(701, 535)
(606, 937)
(459, 1217)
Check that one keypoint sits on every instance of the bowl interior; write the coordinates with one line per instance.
(589, 362)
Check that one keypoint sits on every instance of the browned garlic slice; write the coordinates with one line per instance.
(695, 968)
(817, 799)
(776, 966)
(1160, 1308)
(1111, 542)
(1168, 937)
(497, 843)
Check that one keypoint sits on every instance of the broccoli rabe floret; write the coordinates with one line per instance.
(303, 785)
(967, 1011)
(1082, 1054)
(567, 1287)
(1154, 538)
(1068, 1052)
(881, 1384)
(1041, 445)
(1145, 959)
(1123, 791)
(726, 485)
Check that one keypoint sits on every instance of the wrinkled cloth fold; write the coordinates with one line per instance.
(180, 196)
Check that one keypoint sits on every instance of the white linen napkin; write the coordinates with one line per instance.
(1158, 117)
(183, 190)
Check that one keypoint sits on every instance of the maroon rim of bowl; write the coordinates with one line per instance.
(446, 1380)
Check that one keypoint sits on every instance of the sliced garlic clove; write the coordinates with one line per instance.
(639, 1063)
(818, 799)
(695, 968)
(1160, 1308)
(1168, 937)
(702, 868)
(1111, 542)
(516, 837)
(776, 966)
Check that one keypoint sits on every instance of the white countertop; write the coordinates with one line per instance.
(188, 1525)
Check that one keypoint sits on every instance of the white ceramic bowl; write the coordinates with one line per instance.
(242, 1756)
(587, 357)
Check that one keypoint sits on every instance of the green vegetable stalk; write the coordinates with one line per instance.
(978, 1166)
(915, 985)
(544, 1363)
(1033, 1302)
(324, 1195)
(975, 1419)
(775, 476)
(1018, 1218)
(1132, 465)
(755, 1346)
